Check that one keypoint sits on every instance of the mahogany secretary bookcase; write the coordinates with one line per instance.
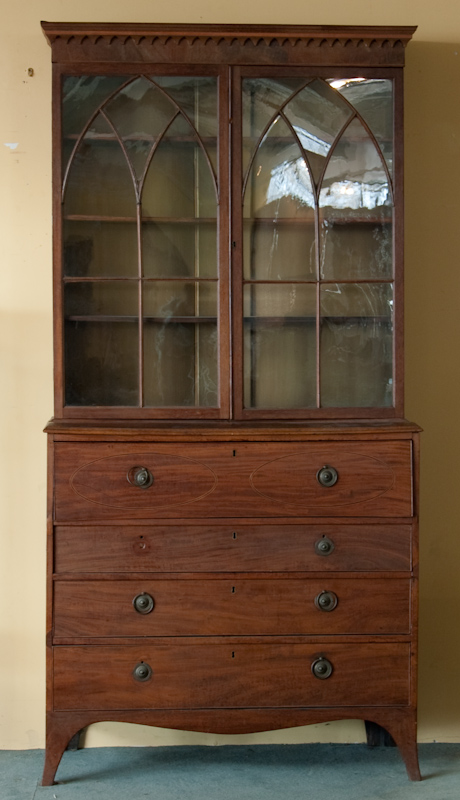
(233, 491)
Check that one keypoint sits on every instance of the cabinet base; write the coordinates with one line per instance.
(400, 724)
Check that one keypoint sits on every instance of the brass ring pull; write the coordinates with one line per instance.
(140, 477)
(142, 672)
(326, 601)
(324, 546)
(321, 668)
(143, 603)
(327, 476)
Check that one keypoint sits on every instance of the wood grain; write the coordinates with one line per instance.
(219, 676)
(228, 548)
(226, 607)
(219, 480)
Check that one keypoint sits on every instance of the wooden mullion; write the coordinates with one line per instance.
(140, 305)
(224, 249)
(58, 259)
(237, 244)
(398, 248)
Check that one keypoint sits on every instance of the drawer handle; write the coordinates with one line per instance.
(143, 603)
(324, 546)
(140, 477)
(327, 476)
(321, 668)
(142, 672)
(326, 601)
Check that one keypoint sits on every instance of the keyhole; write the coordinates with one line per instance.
(141, 544)
(234, 534)
(233, 589)
(233, 654)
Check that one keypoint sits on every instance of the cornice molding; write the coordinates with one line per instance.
(357, 45)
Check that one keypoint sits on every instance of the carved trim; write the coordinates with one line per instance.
(362, 45)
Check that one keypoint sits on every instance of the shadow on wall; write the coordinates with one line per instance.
(432, 279)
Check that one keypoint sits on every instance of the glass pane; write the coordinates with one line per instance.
(279, 363)
(180, 249)
(179, 182)
(140, 113)
(180, 299)
(357, 345)
(279, 250)
(180, 364)
(317, 114)
(373, 99)
(107, 298)
(101, 363)
(100, 249)
(278, 210)
(81, 97)
(355, 211)
(278, 301)
(279, 345)
(100, 182)
(197, 97)
(262, 98)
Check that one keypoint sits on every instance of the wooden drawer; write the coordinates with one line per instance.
(231, 548)
(230, 676)
(233, 480)
(232, 607)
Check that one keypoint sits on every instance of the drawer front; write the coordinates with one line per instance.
(232, 548)
(96, 481)
(231, 607)
(226, 676)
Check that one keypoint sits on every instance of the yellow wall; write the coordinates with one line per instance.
(432, 338)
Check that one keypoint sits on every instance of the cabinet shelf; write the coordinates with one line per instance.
(146, 318)
(158, 220)
(362, 220)
(312, 319)
(136, 279)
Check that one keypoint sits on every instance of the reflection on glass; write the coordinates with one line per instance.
(100, 182)
(100, 249)
(317, 114)
(373, 99)
(356, 345)
(101, 364)
(171, 299)
(262, 98)
(278, 210)
(355, 211)
(180, 364)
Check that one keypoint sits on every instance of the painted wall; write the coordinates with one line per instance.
(432, 339)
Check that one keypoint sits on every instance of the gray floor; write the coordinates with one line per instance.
(289, 772)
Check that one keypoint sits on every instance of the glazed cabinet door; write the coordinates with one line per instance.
(315, 194)
(144, 242)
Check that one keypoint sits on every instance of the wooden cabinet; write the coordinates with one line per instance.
(233, 489)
